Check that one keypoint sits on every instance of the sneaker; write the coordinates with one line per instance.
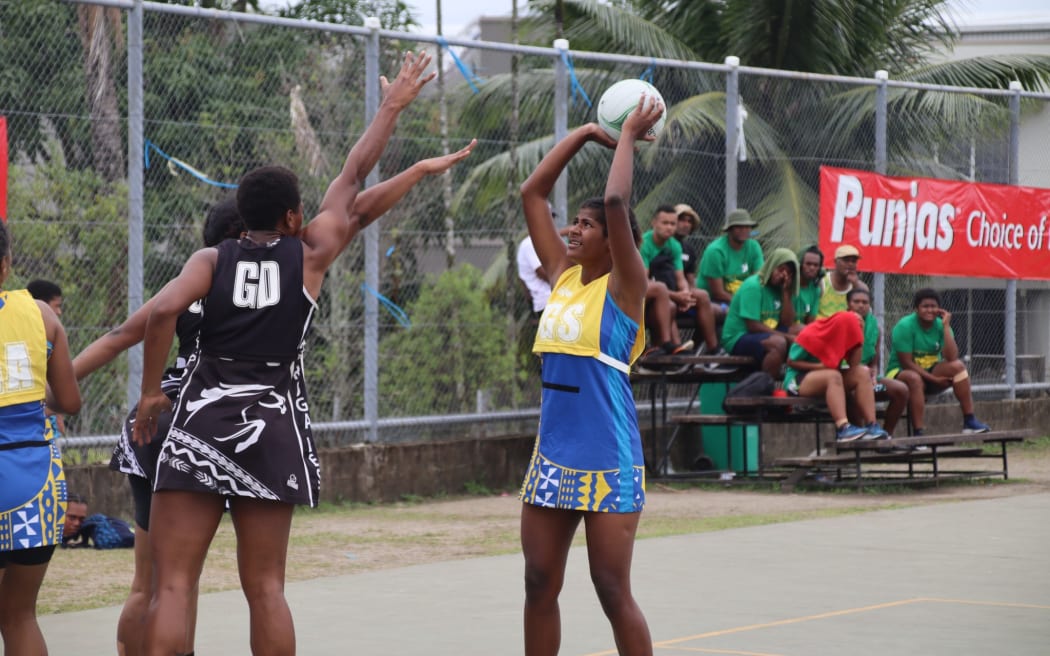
(720, 368)
(682, 349)
(652, 350)
(974, 426)
(876, 432)
(918, 432)
(849, 433)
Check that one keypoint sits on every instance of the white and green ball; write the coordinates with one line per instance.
(621, 99)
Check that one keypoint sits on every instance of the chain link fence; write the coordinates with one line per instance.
(423, 327)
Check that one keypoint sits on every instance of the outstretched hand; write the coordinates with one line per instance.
(409, 80)
(149, 410)
(438, 165)
(645, 115)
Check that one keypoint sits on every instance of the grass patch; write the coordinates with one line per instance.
(1035, 445)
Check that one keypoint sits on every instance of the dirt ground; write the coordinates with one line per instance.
(337, 540)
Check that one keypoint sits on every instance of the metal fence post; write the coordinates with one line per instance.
(561, 126)
(371, 346)
(135, 191)
(1010, 347)
(879, 292)
(732, 136)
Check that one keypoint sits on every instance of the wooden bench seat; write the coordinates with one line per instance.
(876, 457)
(858, 454)
(948, 439)
(703, 420)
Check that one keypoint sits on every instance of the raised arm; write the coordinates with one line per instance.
(327, 234)
(950, 350)
(374, 202)
(628, 280)
(536, 190)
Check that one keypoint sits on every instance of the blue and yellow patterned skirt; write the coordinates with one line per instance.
(550, 485)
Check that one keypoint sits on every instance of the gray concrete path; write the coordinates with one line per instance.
(970, 578)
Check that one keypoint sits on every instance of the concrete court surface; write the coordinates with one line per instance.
(954, 579)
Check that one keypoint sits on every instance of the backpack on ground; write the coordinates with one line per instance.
(756, 384)
(108, 532)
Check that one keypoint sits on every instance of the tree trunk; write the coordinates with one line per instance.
(98, 27)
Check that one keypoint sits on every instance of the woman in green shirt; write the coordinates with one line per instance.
(925, 357)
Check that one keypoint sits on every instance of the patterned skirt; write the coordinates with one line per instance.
(241, 429)
(32, 494)
(134, 460)
(550, 485)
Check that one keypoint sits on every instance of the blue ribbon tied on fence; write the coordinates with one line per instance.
(174, 162)
(647, 74)
(393, 308)
(575, 83)
(468, 74)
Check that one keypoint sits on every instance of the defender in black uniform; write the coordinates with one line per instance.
(140, 462)
(241, 428)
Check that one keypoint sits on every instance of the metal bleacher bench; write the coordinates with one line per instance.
(870, 461)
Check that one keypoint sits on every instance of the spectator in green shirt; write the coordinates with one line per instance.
(729, 260)
(810, 265)
(886, 389)
(925, 357)
(762, 313)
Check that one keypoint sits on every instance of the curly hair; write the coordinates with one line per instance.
(223, 222)
(265, 194)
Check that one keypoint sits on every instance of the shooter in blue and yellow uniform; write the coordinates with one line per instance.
(588, 462)
(33, 351)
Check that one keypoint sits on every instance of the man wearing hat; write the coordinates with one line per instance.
(839, 281)
(688, 220)
(729, 260)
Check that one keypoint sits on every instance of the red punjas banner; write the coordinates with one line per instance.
(928, 226)
(3, 168)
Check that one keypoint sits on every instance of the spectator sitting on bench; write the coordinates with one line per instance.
(813, 371)
(688, 221)
(886, 389)
(762, 313)
(728, 261)
(810, 268)
(662, 256)
(838, 282)
(925, 357)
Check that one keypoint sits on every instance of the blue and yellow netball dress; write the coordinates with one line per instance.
(32, 483)
(588, 453)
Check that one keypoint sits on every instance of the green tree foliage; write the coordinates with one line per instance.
(70, 227)
(454, 349)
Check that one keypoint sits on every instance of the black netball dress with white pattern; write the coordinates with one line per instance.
(241, 425)
(132, 459)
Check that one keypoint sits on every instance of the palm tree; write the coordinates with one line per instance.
(793, 126)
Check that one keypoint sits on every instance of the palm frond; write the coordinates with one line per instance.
(1033, 71)
(787, 215)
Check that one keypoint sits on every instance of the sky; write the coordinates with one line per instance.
(457, 14)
